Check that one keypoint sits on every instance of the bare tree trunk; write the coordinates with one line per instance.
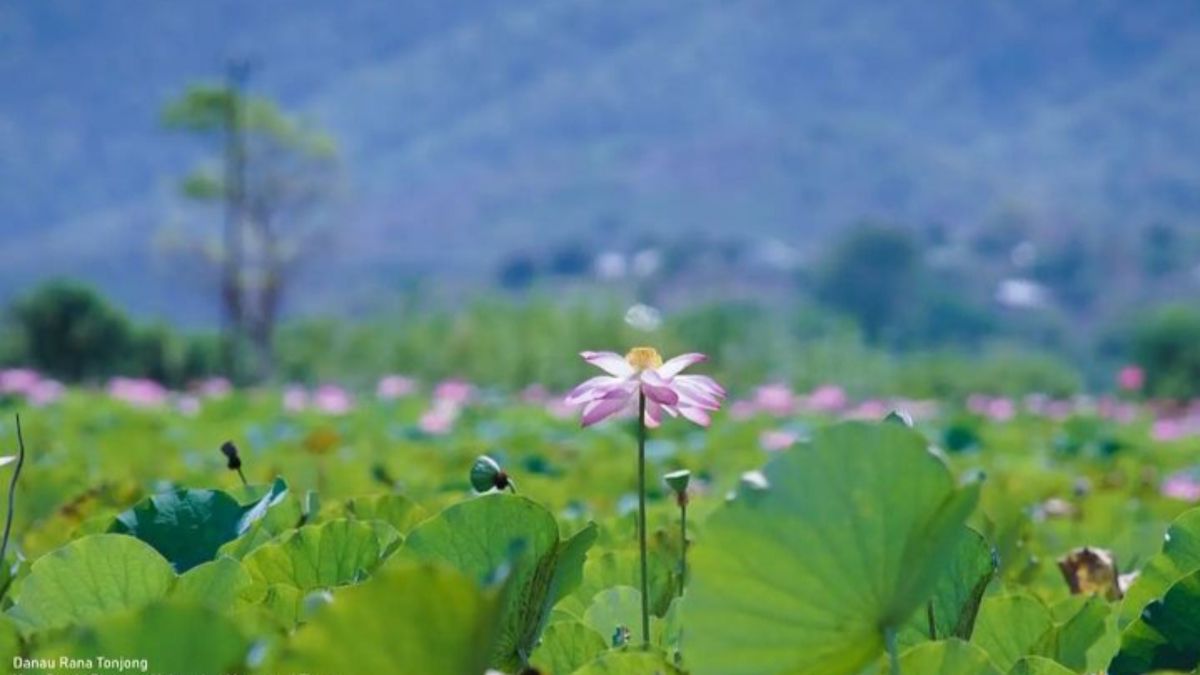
(232, 286)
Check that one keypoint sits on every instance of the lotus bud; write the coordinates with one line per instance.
(233, 460)
(486, 475)
(678, 482)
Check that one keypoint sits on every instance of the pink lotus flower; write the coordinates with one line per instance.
(332, 399)
(1183, 485)
(1131, 378)
(295, 398)
(642, 371)
(395, 386)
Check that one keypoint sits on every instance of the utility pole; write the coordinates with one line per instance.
(237, 71)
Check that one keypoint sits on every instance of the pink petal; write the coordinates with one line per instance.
(676, 365)
(602, 408)
(653, 414)
(592, 389)
(658, 389)
(695, 415)
(704, 382)
(610, 362)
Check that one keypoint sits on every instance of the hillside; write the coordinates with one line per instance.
(472, 129)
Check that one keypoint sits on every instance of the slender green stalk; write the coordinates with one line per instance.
(641, 424)
(889, 636)
(12, 491)
(683, 541)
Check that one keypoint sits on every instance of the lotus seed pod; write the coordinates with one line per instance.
(678, 480)
(899, 417)
(485, 474)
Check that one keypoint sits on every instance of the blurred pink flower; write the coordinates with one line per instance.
(45, 392)
(534, 394)
(439, 419)
(18, 381)
(642, 370)
(295, 398)
(391, 387)
(775, 399)
(188, 405)
(454, 391)
(1167, 429)
(827, 398)
(1000, 409)
(214, 387)
(138, 392)
(1131, 378)
(1183, 485)
(332, 399)
(773, 440)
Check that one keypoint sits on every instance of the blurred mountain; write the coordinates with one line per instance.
(471, 129)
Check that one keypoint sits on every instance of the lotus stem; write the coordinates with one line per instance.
(12, 491)
(683, 541)
(641, 425)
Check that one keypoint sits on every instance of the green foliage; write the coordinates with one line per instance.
(428, 619)
(842, 554)
(504, 536)
(1166, 343)
(312, 557)
(871, 275)
(89, 578)
(188, 526)
(67, 330)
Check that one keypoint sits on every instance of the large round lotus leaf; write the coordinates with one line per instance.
(426, 619)
(1012, 626)
(89, 578)
(319, 556)
(804, 576)
(1167, 636)
(1180, 557)
(188, 526)
(949, 657)
(1039, 665)
(171, 637)
(500, 535)
(952, 610)
(399, 511)
(565, 646)
(223, 584)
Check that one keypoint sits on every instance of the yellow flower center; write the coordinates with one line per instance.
(643, 358)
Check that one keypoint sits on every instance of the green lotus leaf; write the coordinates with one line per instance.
(223, 584)
(188, 526)
(397, 510)
(1086, 640)
(428, 619)
(1011, 626)
(1167, 636)
(89, 578)
(1039, 665)
(613, 608)
(622, 568)
(566, 646)
(952, 610)
(335, 553)
(1180, 557)
(498, 533)
(948, 657)
(10, 640)
(172, 638)
(629, 662)
(807, 575)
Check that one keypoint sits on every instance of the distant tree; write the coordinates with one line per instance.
(1167, 345)
(276, 175)
(68, 330)
(1162, 250)
(872, 275)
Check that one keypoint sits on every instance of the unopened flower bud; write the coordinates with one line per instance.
(486, 475)
(231, 454)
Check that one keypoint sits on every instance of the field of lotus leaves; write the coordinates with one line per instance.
(447, 529)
